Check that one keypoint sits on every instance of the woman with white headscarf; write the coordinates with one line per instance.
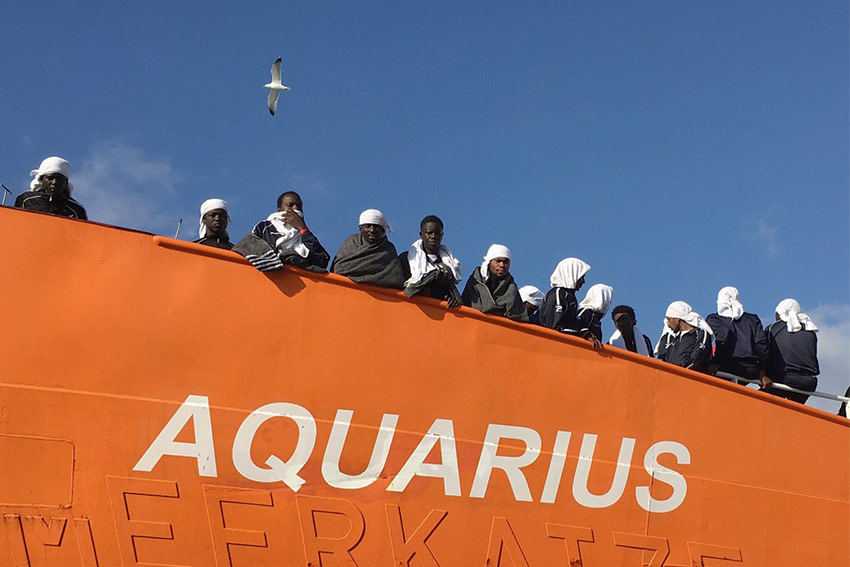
(50, 191)
(792, 352)
(491, 288)
(686, 340)
(212, 226)
(739, 337)
(368, 256)
(559, 310)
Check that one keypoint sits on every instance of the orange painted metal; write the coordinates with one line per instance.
(110, 335)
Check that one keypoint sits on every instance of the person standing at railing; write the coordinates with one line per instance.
(739, 338)
(50, 191)
(686, 340)
(491, 287)
(792, 352)
(212, 229)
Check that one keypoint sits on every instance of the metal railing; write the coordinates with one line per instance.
(778, 386)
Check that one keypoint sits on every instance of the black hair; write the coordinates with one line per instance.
(624, 309)
(431, 218)
(282, 195)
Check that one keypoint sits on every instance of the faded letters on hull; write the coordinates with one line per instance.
(196, 409)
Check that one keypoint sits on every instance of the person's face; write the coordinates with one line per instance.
(778, 318)
(432, 236)
(674, 323)
(54, 184)
(290, 203)
(624, 323)
(216, 222)
(530, 308)
(499, 267)
(372, 233)
(579, 283)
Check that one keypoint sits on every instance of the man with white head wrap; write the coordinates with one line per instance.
(532, 298)
(687, 338)
(491, 288)
(283, 238)
(212, 229)
(560, 306)
(50, 191)
(368, 256)
(739, 338)
(592, 309)
(429, 268)
(792, 352)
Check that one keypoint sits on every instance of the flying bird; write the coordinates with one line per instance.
(275, 86)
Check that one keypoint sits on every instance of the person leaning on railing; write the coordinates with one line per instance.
(792, 352)
(739, 338)
(50, 191)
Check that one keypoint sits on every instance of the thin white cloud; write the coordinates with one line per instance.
(121, 185)
(766, 236)
(833, 323)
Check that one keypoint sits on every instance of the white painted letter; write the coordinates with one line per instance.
(196, 408)
(665, 475)
(621, 474)
(278, 470)
(556, 467)
(441, 430)
(330, 464)
(511, 465)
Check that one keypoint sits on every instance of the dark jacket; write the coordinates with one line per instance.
(44, 203)
(589, 323)
(223, 243)
(495, 296)
(559, 310)
(317, 258)
(740, 344)
(791, 353)
(691, 349)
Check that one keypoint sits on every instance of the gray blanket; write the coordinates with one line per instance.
(504, 300)
(375, 264)
(265, 258)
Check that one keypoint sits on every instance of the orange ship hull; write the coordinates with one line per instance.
(163, 403)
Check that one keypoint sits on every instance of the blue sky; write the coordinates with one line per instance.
(677, 147)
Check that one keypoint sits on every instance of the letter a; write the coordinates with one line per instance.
(196, 408)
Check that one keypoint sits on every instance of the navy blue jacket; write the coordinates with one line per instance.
(740, 344)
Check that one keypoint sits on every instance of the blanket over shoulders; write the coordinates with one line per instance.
(504, 301)
(375, 264)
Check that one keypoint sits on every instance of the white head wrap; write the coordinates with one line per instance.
(290, 238)
(568, 272)
(374, 216)
(207, 206)
(728, 304)
(683, 311)
(417, 259)
(789, 311)
(495, 251)
(598, 298)
(532, 295)
(51, 165)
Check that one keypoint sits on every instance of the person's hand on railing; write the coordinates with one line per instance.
(766, 382)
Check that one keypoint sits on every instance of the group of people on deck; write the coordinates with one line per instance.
(730, 340)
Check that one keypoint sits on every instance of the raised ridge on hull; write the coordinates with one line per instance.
(163, 403)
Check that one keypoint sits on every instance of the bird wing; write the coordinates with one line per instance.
(273, 94)
(276, 72)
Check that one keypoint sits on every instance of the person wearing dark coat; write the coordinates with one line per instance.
(284, 238)
(792, 352)
(532, 298)
(739, 338)
(213, 224)
(686, 340)
(592, 309)
(429, 268)
(50, 191)
(368, 256)
(560, 308)
(491, 288)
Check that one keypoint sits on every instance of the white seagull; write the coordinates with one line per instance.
(275, 86)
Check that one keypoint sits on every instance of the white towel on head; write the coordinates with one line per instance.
(419, 264)
(598, 298)
(290, 238)
(789, 311)
(207, 206)
(568, 272)
(683, 311)
(618, 341)
(374, 216)
(50, 165)
(495, 251)
(532, 295)
(728, 304)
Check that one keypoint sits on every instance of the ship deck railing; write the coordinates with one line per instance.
(784, 387)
